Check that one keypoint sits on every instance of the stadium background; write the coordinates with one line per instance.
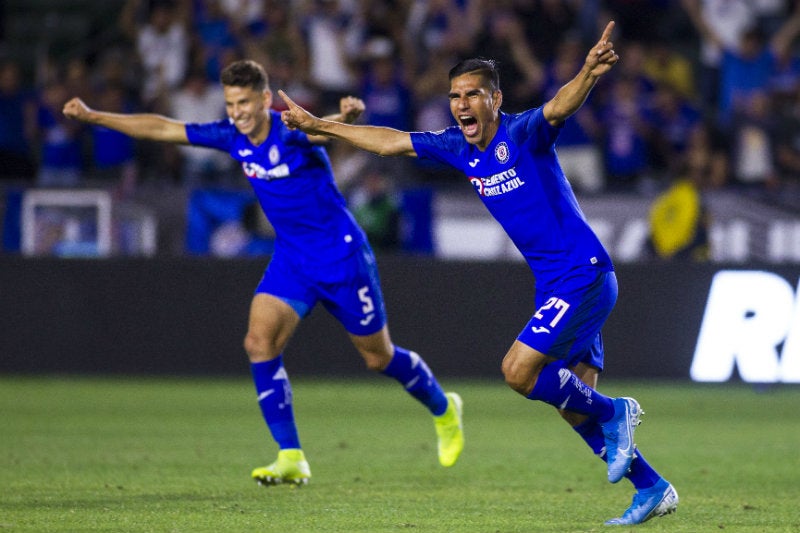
(456, 291)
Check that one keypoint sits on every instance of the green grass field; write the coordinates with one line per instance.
(174, 455)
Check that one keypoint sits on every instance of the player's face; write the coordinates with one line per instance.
(475, 107)
(248, 110)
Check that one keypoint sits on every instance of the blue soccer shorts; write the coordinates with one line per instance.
(568, 319)
(349, 289)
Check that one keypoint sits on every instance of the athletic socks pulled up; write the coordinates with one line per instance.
(561, 388)
(411, 371)
(275, 399)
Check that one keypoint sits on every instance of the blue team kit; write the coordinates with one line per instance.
(321, 254)
(519, 180)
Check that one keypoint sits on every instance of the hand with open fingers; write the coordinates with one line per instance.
(602, 55)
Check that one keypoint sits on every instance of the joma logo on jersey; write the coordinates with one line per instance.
(497, 184)
(254, 170)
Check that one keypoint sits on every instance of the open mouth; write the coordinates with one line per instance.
(469, 125)
(243, 124)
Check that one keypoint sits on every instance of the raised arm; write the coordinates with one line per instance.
(350, 108)
(694, 11)
(378, 140)
(781, 42)
(571, 96)
(146, 126)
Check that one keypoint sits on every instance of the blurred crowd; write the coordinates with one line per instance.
(706, 90)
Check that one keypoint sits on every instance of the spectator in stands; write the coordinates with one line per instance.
(674, 117)
(199, 100)
(787, 148)
(707, 144)
(545, 24)
(447, 26)
(626, 112)
(117, 67)
(748, 65)
(431, 105)
(752, 151)
(727, 21)
(679, 219)
(666, 66)
(627, 135)
(785, 78)
(114, 162)
(77, 77)
(383, 86)
(246, 16)
(17, 124)
(376, 210)
(522, 72)
(640, 20)
(771, 14)
(634, 69)
(213, 36)
(162, 44)
(278, 40)
(59, 140)
(333, 40)
(578, 143)
(385, 93)
(160, 31)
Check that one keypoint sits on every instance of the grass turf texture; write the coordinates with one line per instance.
(174, 455)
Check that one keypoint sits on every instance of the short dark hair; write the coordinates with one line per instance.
(487, 68)
(245, 73)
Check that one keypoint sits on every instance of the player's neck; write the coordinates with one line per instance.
(260, 134)
(491, 131)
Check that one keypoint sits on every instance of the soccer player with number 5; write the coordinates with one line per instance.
(321, 255)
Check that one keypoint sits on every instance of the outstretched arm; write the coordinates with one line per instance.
(378, 140)
(146, 126)
(572, 95)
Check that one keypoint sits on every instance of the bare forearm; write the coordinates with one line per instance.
(570, 97)
(695, 14)
(141, 126)
(378, 140)
(338, 117)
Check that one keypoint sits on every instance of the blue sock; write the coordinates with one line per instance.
(275, 399)
(561, 388)
(411, 371)
(641, 473)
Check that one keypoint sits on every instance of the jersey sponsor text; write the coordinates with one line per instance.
(497, 184)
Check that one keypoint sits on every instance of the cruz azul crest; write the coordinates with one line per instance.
(501, 152)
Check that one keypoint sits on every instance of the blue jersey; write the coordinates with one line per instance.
(294, 184)
(520, 181)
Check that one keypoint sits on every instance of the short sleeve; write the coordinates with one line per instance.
(217, 134)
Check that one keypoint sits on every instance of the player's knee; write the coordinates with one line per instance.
(519, 384)
(519, 380)
(257, 348)
(376, 361)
